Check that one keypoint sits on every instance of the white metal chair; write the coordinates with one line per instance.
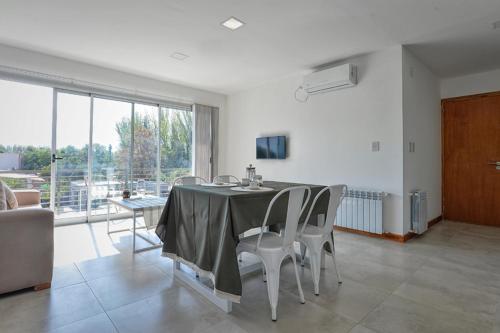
(272, 248)
(226, 179)
(189, 180)
(314, 238)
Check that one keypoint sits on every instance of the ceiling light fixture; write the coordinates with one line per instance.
(233, 23)
(179, 56)
(496, 25)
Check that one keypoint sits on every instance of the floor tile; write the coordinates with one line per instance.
(155, 258)
(361, 329)
(41, 311)
(442, 289)
(396, 315)
(372, 274)
(99, 323)
(177, 310)
(130, 286)
(254, 312)
(66, 275)
(350, 299)
(110, 265)
(447, 280)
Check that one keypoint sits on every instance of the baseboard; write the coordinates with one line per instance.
(358, 232)
(434, 221)
(388, 235)
(385, 235)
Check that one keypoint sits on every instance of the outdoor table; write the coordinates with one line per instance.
(136, 205)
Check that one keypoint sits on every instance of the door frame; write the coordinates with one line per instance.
(53, 165)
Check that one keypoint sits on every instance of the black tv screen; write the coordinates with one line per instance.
(271, 147)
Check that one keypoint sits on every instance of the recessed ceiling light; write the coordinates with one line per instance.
(496, 25)
(233, 23)
(179, 56)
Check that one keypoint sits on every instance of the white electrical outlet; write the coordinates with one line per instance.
(375, 146)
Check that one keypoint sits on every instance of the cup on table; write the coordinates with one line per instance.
(245, 181)
(253, 185)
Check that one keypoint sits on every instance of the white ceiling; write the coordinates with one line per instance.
(281, 37)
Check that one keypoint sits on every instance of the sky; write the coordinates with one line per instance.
(26, 117)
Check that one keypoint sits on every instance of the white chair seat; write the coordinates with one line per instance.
(270, 241)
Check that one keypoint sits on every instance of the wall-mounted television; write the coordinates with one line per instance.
(271, 147)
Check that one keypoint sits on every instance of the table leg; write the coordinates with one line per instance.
(107, 219)
(133, 233)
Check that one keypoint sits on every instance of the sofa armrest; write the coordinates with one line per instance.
(27, 197)
(26, 248)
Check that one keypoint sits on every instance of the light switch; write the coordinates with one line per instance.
(376, 146)
(411, 147)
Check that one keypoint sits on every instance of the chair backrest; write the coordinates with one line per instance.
(226, 179)
(337, 193)
(189, 180)
(296, 206)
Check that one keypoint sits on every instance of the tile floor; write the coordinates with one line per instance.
(445, 281)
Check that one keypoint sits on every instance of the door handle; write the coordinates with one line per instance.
(497, 163)
(54, 158)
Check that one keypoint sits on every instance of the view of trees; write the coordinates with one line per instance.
(175, 139)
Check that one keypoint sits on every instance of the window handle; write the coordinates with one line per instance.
(54, 158)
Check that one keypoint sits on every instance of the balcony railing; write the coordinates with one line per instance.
(71, 189)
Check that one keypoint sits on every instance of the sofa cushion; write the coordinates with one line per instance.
(10, 197)
(3, 198)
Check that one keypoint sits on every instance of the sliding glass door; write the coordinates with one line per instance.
(111, 151)
(79, 149)
(146, 153)
(176, 144)
(136, 146)
(70, 156)
(25, 137)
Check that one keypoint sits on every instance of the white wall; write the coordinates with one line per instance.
(471, 84)
(422, 125)
(38, 62)
(329, 136)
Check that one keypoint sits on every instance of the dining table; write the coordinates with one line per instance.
(200, 227)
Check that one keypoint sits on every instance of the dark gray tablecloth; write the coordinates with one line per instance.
(200, 226)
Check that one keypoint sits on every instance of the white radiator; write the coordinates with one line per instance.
(418, 211)
(361, 210)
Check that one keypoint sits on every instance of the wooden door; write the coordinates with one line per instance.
(471, 148)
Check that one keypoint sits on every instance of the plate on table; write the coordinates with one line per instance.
(248, 189)
(219, 185)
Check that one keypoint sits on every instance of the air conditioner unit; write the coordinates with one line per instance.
(330, 79)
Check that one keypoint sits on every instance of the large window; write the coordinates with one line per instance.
(89, 148)
(111, 146)
(25, 136)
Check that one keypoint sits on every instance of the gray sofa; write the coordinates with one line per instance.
(26, 244)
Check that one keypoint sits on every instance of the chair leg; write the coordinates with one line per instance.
(315, 261)
(339, 279)
(299, 285)
(273, 286)
(303, 249)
